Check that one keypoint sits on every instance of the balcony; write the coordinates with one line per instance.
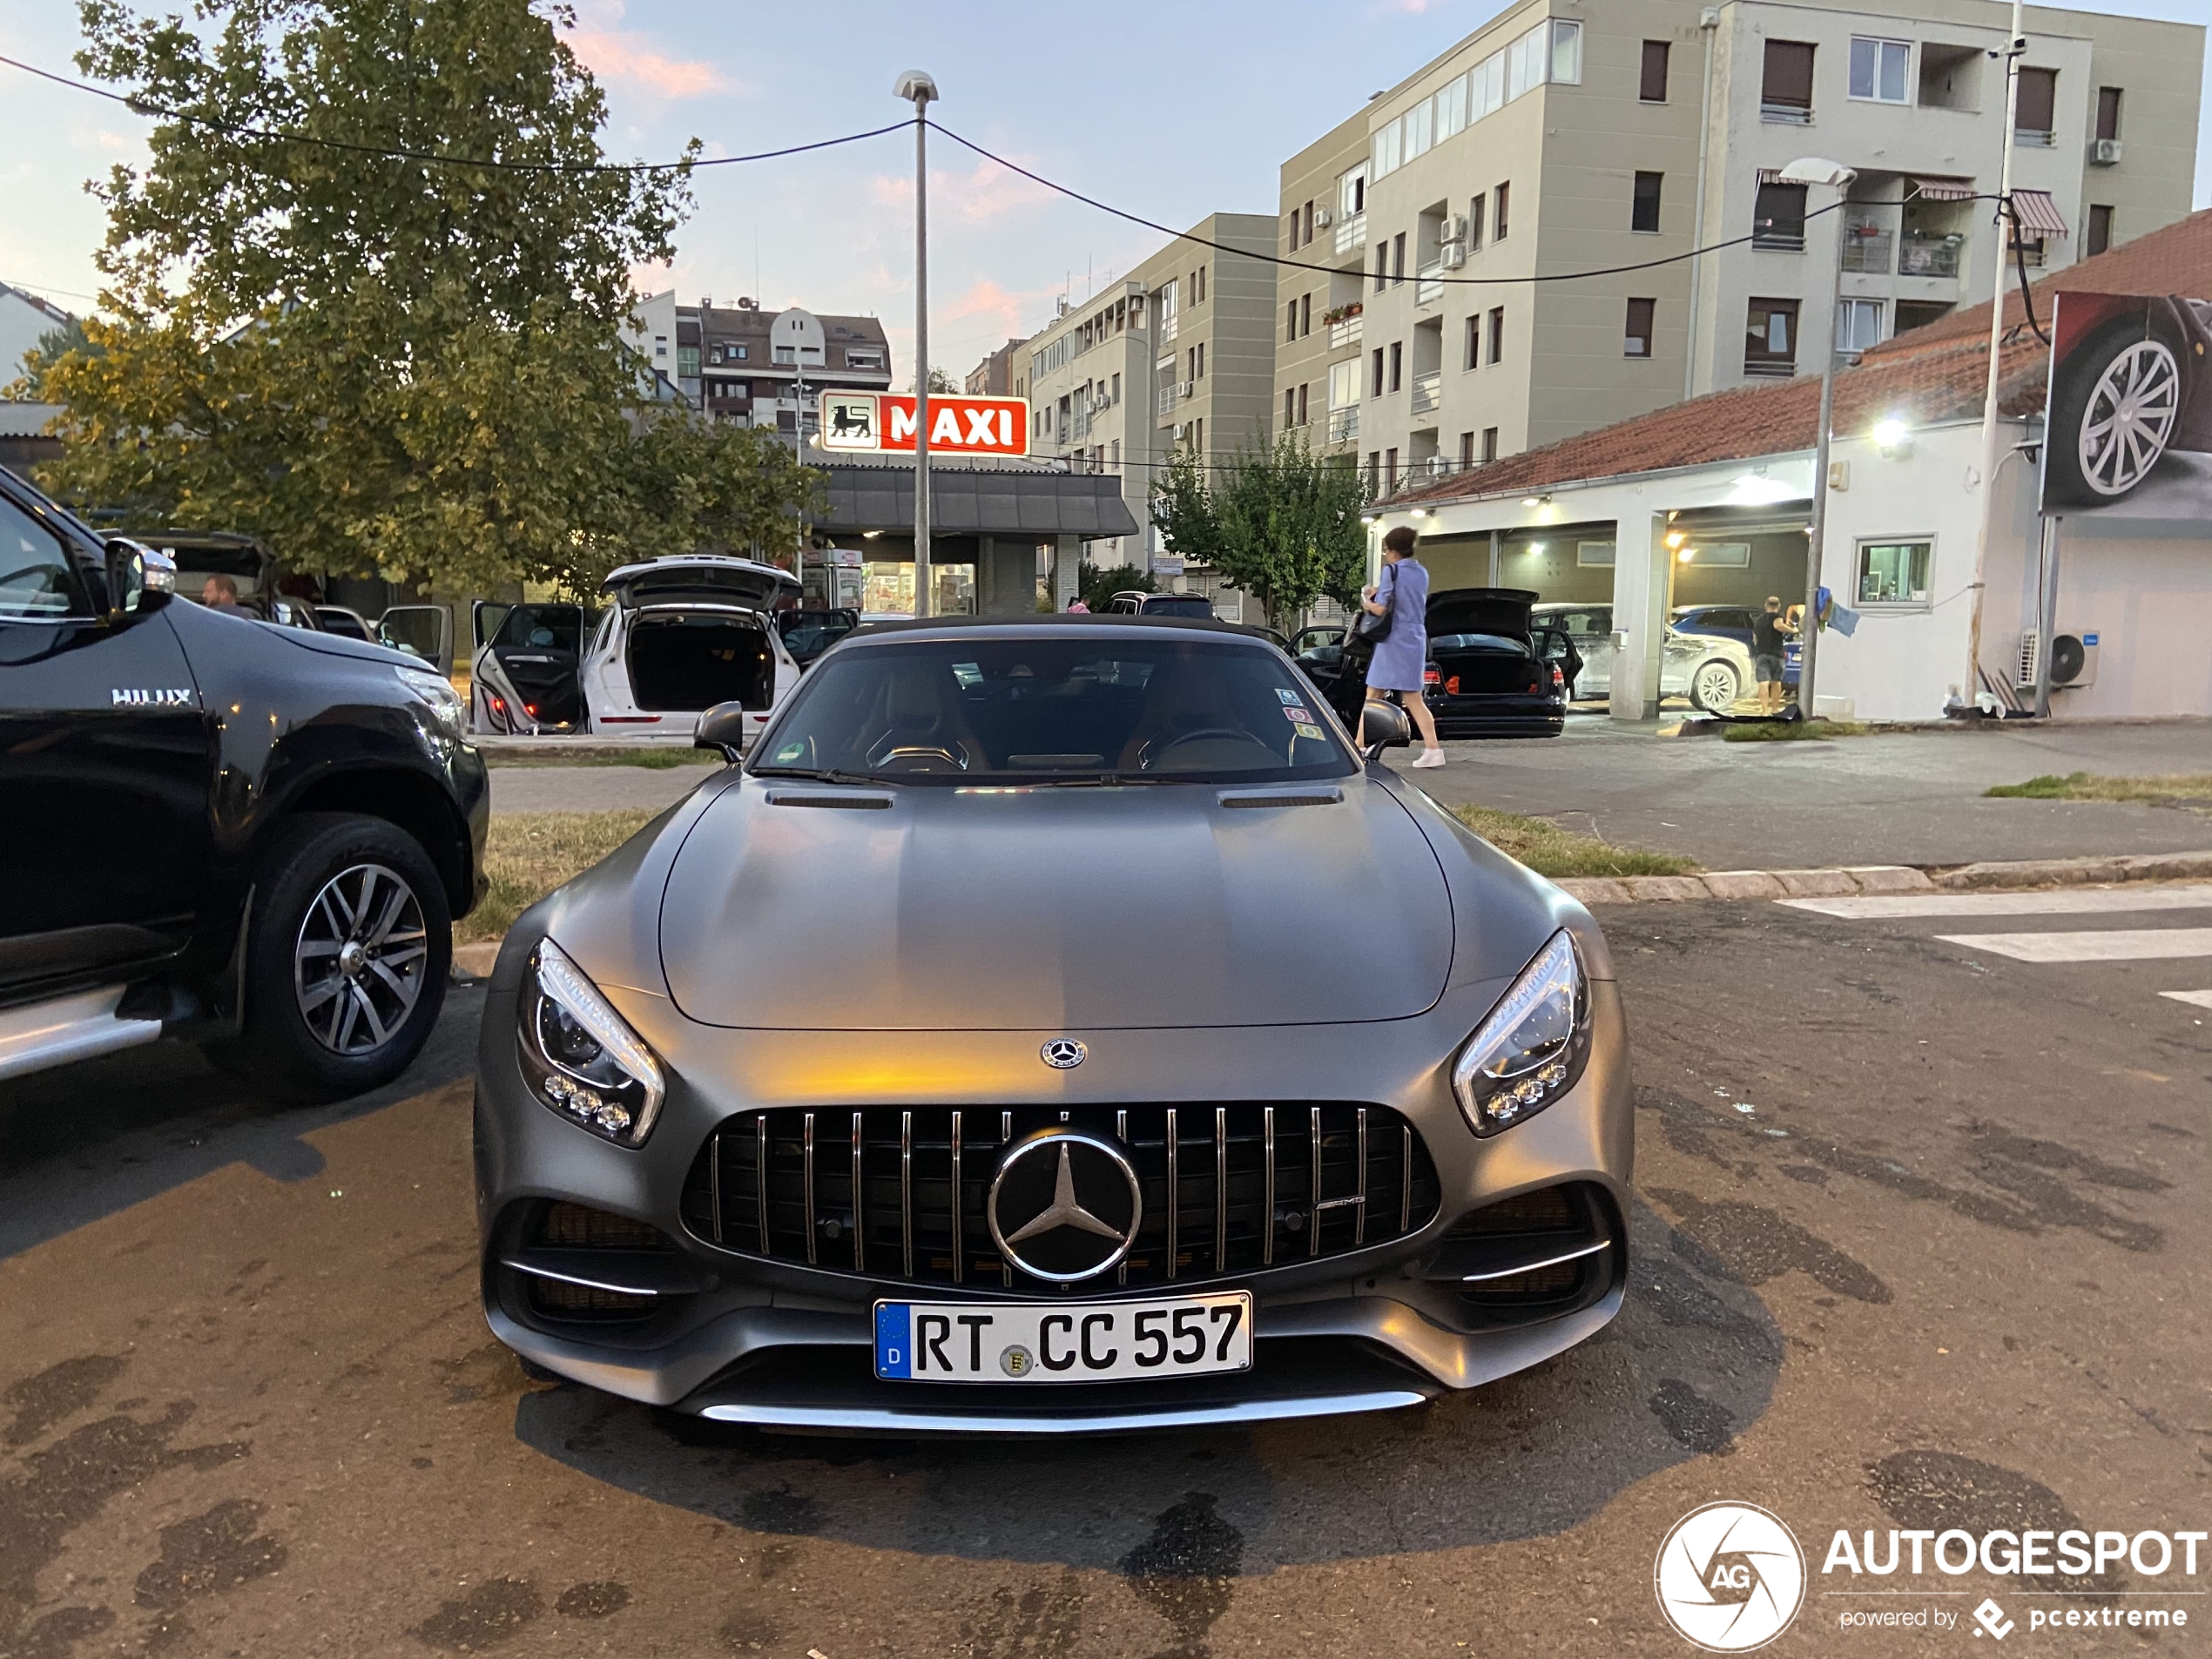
(1344, 424)
(1427, 289)
(1867, 249)
(1351, 233)
(1349, 332)
(1167, 328)
(1928, 256)
(1428, 392)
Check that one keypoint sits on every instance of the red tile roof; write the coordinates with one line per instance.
(1934, 373)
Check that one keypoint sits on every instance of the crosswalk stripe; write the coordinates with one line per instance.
(2198, 999)
(2135, 944)
(2077, 902)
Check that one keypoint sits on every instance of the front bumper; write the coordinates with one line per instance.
(734, 1336)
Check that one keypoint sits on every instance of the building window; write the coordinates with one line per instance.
(2034, 117)
(1859, 326)
(1390, 471)
(1489, 444)
(1475, 222)
(1497, 333)
(1289, 320)
(687, 363)
(2098, 236)
(1652, 85)
(1352, 193)
(1498, 230)
(1378, 378)
(1302, 416)
(1382, 267)
(1778, 217)
(1644, 214)
(1771, 337)
(1785, 88)
(1397, 364)
(1290, 408)
(1201, 374)
(1466, 450)
(1893, 573)
(1198, 286)
(1879, 69)
(1636, 337)
(1474, 342)
(1305, 315)
(1114, 451)
(1308, 211)
(1117, 388)
(1374, 470)
(2107, 112)
(1398, 258)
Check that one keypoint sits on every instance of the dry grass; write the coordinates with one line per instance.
(2081, 785)
(1551, 851)
(529, 854)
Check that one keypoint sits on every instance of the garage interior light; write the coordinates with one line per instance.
(1675, 538)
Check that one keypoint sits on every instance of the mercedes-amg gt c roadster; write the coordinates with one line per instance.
(1051, 1025)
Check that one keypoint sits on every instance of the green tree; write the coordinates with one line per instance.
(1275, 520)
(380, 360)
(1095, 586)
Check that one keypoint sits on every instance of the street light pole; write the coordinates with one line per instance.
(1812, 170)
(916, 85)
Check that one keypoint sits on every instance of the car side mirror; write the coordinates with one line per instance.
(1383, 725)
(721, 727)
(139, 577)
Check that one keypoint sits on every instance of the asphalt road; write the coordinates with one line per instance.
(1908, 797)
(1920, 1243)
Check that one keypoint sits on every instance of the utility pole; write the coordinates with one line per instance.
(2015, 47)
(1814, 171)
(916, 85)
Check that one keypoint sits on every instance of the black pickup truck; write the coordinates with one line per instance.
(215, 828)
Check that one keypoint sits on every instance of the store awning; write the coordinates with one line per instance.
(1944, 190)
(1030, 502)
(2037, 213)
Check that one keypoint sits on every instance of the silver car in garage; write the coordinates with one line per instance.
(1710, 669)
(973, 1059)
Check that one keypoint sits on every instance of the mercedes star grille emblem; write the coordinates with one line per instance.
(1064, 1205)
(1061, 1053)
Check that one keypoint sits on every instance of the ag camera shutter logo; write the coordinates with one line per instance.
(1729, 1577)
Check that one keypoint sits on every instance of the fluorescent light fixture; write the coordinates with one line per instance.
(1535, 547)
(1366, 518)
(1891, 433)
(1756, 489)
(1675, 538)
(1536, 501)
(1686, 555)
(1418, 512)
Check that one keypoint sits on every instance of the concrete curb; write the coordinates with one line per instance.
(1888, 878)
(475, 961)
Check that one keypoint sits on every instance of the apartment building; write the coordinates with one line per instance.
(1005, 373)
(1180, 351)
(1633, 131)
(760, 367)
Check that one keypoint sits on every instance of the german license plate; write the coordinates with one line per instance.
(1050, 1342)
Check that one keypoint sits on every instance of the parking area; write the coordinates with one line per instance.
(1915, 1247)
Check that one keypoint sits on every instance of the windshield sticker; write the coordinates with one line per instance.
(1312, 732)
(1288, 697)
(791, 752)
(1294, 713)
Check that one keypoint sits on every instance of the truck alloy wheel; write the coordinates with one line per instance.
(358, 963)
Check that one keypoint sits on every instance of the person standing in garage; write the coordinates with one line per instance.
(1402, 653)
(1770, 634)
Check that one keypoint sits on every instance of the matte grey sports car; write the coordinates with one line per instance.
(1055, 1025)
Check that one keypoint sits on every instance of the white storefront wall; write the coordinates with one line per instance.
(2150, 598)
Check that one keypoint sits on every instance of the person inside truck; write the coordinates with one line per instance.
(219, 593)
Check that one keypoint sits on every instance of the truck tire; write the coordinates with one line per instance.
(347, 953)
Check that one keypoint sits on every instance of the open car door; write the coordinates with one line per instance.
(425, 631)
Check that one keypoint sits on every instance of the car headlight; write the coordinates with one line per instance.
(448, 712)
(1531, 1049)
(581, 1058)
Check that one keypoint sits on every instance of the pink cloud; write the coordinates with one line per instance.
(984, 194)
(622, 55)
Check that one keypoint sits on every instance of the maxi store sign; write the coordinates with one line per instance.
(883, 422)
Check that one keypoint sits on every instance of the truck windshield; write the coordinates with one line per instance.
(1083, 710)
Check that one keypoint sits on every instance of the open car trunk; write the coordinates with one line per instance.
(686, 660)
(1480, 641)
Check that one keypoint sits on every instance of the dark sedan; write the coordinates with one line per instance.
(1490, 673)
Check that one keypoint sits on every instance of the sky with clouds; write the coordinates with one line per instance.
(1172, 114)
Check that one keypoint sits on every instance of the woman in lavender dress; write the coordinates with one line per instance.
(1402, 595)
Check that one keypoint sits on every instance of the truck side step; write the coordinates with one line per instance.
(67, 1029)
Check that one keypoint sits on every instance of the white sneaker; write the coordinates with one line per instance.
(1430, 758)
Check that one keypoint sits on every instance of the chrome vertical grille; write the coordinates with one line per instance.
(1227, 1188)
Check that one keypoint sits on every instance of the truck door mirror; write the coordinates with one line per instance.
(139, 577)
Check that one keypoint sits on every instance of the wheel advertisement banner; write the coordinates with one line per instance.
(2129, 416)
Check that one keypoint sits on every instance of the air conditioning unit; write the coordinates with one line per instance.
(1323, 218)
(1453, 229)
(2104, 152)
(1187, 390)
(2073, 659)
(1452, 255)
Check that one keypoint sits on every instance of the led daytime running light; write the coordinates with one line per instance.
(563, 982)
(1500, 1084)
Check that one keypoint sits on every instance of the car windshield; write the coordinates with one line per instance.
(1067, 710)
(1179, 604)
